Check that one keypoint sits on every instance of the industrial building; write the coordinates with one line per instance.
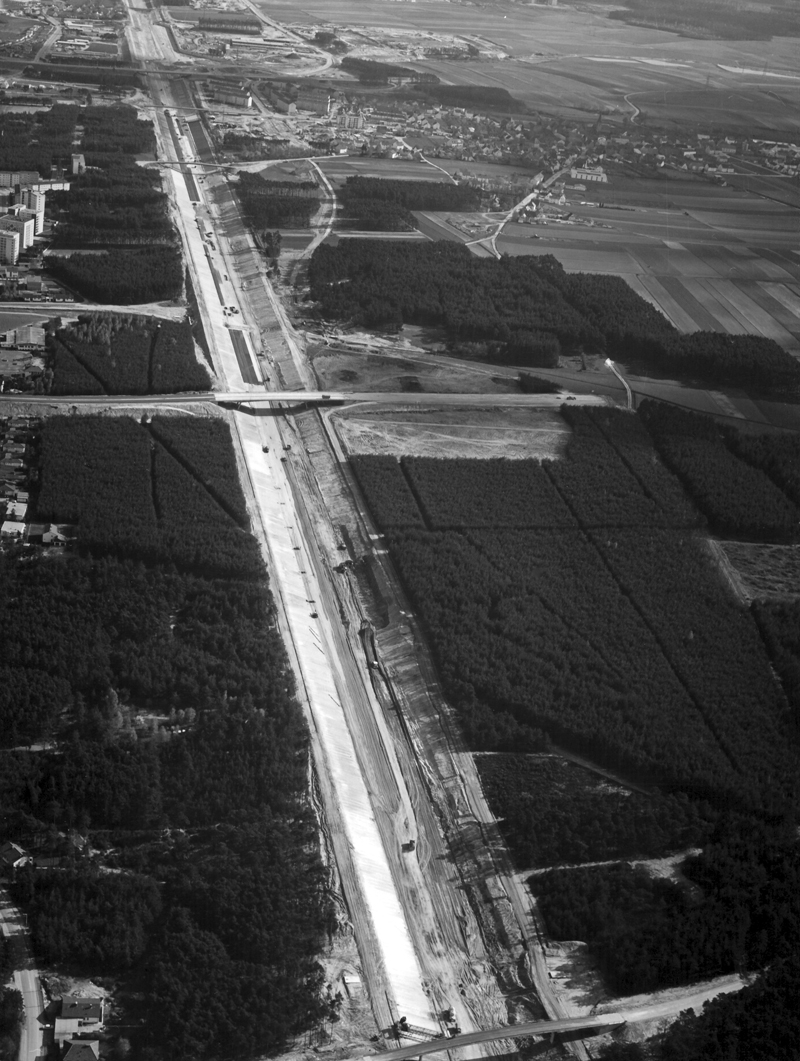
(316, 100)
(238, 94)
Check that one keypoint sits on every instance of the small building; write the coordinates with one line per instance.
(81, 1050)
(16, 511)
(12, 529)
(77, 1014)
(12, 857)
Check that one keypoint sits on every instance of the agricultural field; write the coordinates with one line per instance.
(709, 258)
(515, 434)
(576, 62)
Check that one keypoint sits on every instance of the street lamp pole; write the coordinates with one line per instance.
(623, 381)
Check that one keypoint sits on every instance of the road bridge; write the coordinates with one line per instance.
(570, 1026)
(323, 398)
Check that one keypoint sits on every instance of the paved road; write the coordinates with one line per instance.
(26, 979)
(259, 398)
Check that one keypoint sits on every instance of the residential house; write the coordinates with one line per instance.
(11, 529)
(12, 857)
(77, 1015)
(81, 1050)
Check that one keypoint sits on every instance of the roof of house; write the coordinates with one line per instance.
(74, 1007)
(82, 1050)
(11, 853)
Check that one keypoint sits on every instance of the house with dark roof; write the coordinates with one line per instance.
(12, 857)
(77, 1015)
(81, 1050)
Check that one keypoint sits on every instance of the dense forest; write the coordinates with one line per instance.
(569, 598)
(167, 513)
(569, 602)
(377, 204)
(276, 204)
(37, 141)
(736, 480)
(552, 811)
(373, 283)
(115, 204)
(108, 353)
(122, 277)
(165, 679)
(737, 908)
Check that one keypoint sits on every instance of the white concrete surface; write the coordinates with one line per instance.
(294, 574)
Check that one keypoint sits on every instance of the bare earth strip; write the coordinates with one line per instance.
(514, 434)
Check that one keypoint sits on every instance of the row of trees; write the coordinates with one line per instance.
(116, 354)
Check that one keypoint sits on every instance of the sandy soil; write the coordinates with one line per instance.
(513, 433)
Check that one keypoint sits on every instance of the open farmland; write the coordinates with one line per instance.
(710, 258)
